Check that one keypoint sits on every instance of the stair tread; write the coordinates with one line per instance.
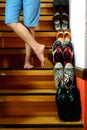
(43, 5)
(26, 92)
(20, 50)
(37, 120)
(32, 72)
(41, 1)
(38, 34)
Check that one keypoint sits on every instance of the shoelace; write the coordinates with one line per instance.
(67, 54)
(67, 78)
(59, 77)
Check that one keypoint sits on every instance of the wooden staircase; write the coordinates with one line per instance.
(27, 97)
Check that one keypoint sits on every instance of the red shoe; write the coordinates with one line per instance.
(57, 52)
(68, 53)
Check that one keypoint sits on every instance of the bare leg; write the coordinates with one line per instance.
(25, 34)
(27, 64)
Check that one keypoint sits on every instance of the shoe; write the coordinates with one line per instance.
(56, 21)
(58, 74)
(68, 76)
(67, 53)
(65, 21)
(67, 35)
(57, 52)
(60, 36)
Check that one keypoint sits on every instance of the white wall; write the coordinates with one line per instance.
(77, 25)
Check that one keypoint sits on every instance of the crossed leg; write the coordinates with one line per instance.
(26, 35)
(28, 49)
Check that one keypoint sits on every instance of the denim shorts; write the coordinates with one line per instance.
(31, 11)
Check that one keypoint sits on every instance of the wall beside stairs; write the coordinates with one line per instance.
(78, 24)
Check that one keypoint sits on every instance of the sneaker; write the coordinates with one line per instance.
(57, 52)
(65, 21)
(68, 75)
(56, 21)
(58, 74)
(68, 52)
(65, 25)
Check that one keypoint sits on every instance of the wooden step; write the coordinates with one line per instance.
(38, 34)
(11, 40)
(27, 104)
(43, 25)
(42, 5)
(42, 18)
(45, 8)
(7, 51)
(7, 56)
(39, 122)
(26, 79)
(41, 0)
(45, 29)
(29, 91)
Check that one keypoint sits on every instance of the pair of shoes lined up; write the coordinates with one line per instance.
(63, 76)
(62, 52)
(67, 95)
(62, 49)
(63, 35)
(61, 21)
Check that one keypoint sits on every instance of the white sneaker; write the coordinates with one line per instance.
(58, 74)
(68, 75)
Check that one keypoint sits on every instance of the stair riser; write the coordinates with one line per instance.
(8, 60)
(28, 109)
(26, 79)
(43, 11)
(8, 42)
(24, 83)
(27, 105)
(43, 25)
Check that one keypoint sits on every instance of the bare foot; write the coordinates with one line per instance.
(27, 65)
(40, 54)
